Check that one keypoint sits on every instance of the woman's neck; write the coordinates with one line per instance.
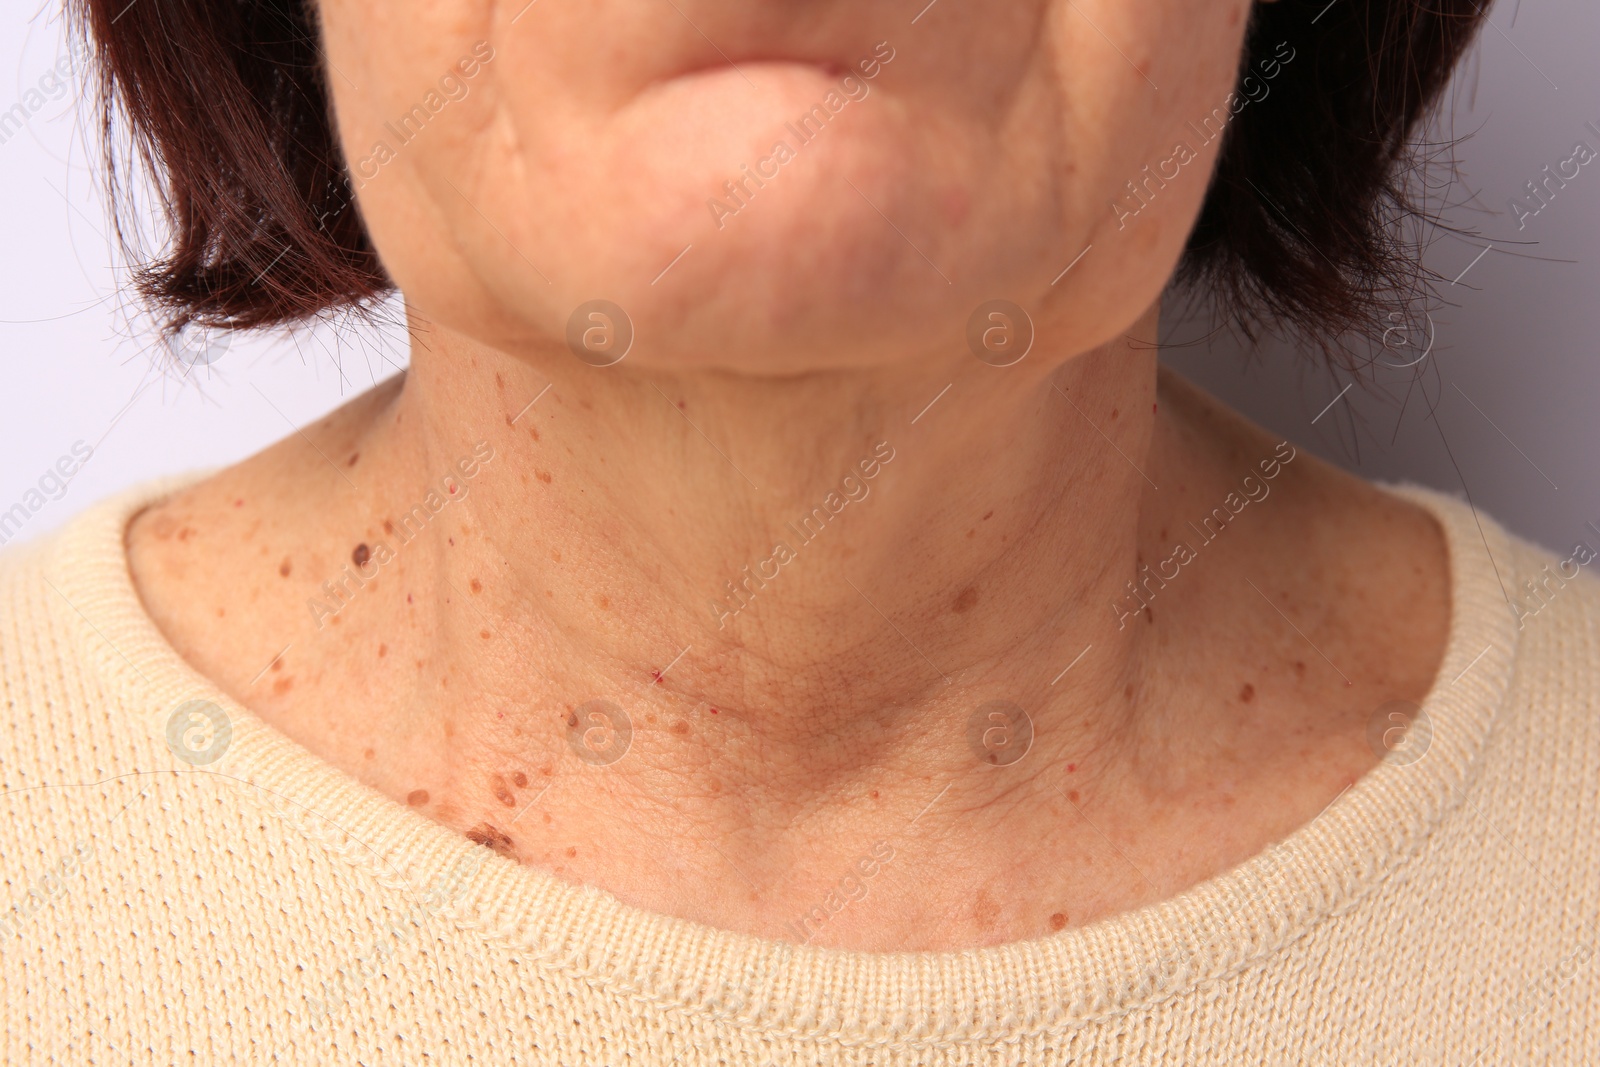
(675, 634)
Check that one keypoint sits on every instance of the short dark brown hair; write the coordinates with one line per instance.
(227, 101)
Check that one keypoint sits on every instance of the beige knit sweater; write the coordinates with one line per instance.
(182, 884)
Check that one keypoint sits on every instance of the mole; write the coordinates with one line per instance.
(353, 457)
(544, 476)
(1058, 920)
(502, 792)
(965, 600)
(1248, 693)
(388, 527)
(476, 586)
(417, 797)
(285, 567)
(361, 554)
(491, 836)
(519, 779)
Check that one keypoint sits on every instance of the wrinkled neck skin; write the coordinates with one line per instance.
(881, 614)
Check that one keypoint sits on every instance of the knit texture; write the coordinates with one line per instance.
(248, 903)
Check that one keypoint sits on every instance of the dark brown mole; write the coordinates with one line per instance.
(519, 779)
(492, 836)
(965, 600)
(285, 567)
(361, 554)
(1248, 693)
(417, 797)
(1058, 921)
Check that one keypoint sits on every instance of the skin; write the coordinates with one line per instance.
(774, 747)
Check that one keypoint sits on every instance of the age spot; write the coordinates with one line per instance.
(502, 792)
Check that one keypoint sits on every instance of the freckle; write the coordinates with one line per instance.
(501, 792)
(282, 685)
(572, 853)
(680, 727)
(650, 717)
(1127, 691)
(388, 527)
(484, 634)
(1299, 667)
(1113, 413)
(221, 612)
(1248, 693)
(361, 554)
(967, 598)
(499, 382)
(1071, 767)
(1058, 921)
(519, 779)
(874, 794)
(602, 602)
(417, 797)
(449, 730)
(277, 664)
(972, 532)
(1072, 795)
(555, 554)
(408, 598)
(1149, 615)
(285, 567)
(543, 476)
(185, 533)
(353, 457)
(1163, 533)
(987, 515)
(476, 586)
(533, 431)
(335, 621)
(547, 818)
(452, 541)
(547, 770)
(367, 754)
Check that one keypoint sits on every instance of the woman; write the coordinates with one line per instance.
(783, 615)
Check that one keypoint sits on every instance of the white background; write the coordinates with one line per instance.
(1505, 408)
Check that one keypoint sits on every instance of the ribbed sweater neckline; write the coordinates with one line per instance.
(856, 998)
